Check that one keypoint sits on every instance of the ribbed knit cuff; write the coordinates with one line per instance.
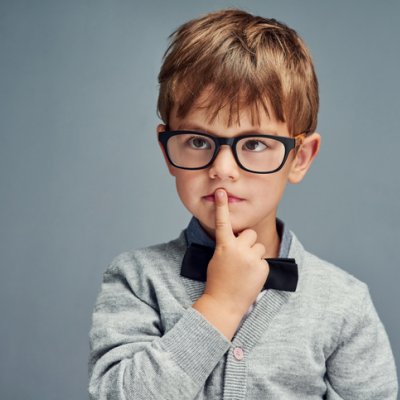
(195, 345)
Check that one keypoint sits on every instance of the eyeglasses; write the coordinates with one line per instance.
(260, 154)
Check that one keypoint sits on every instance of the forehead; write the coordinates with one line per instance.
(227, 121)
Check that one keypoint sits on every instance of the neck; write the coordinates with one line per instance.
(271, 241)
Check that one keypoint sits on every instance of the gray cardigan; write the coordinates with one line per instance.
(324, 341)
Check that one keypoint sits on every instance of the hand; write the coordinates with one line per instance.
(237, 272)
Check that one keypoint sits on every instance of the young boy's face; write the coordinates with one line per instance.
(253, 198)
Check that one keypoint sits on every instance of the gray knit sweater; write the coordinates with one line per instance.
(324, 341)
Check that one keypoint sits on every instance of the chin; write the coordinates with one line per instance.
(209, 226)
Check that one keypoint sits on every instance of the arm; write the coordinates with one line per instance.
(235, 275)
(131, 358)
(362, 366)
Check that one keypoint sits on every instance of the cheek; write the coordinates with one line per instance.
(267, 190)
(187, 185)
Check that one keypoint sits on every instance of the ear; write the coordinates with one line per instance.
(171, 169)
(304, 157)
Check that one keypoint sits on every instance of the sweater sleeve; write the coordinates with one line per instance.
(362, 366)
(131, 358)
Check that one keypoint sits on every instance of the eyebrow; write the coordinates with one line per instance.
(197, 128)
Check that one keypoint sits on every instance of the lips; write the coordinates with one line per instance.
(231, 197)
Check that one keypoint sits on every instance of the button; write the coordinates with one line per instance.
(238, 353)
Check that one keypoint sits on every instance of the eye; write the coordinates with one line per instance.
(254, 145)
(199, 143)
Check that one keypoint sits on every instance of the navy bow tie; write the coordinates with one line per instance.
(283, 274)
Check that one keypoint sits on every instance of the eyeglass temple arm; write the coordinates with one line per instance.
(299, 140)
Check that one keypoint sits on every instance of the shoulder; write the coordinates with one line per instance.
(330, 276)
(143, 267)
(153, 256)
(329, 288)
(323, 272)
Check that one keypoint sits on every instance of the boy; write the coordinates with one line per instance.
(235, 308)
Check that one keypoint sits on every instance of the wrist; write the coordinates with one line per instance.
(223, 316)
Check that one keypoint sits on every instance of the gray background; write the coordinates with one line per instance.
(82, 178)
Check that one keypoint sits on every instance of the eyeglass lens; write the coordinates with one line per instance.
(257, 154)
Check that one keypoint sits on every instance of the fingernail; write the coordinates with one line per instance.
(220, 194)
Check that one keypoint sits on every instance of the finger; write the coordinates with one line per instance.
(223, 227)
(259, 249)
(267, 265)
(248, 236)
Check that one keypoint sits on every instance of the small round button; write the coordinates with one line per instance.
(238, 353)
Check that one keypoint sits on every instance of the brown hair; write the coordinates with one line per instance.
(245, 60)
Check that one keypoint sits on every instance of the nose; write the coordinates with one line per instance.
(224, 166)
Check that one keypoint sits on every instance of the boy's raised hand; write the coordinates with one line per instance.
(237, 272)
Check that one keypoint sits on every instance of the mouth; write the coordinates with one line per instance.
(231, 198)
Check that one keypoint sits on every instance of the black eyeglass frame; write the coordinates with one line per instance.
(289, 143)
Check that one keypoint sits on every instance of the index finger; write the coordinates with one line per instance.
(223, 227)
